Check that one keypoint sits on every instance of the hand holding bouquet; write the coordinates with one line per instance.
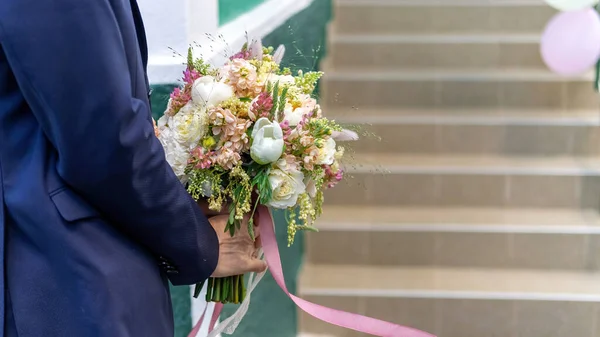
(249, 134)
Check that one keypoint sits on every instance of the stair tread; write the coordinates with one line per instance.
(355, 217)
(381, 163)
(396, 281)
(468, 116)
(515, 74)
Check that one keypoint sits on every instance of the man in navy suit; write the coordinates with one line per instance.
(93, 221)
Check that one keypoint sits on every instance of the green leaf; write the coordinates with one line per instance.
(190, 58)
(245, 99)
(275, 95)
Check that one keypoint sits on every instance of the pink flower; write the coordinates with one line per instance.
(244, 54)
(179, 98)
(332, 178)
(201, 158)
(242, 76)
(261, 106)
(227, 158)
(190, 75)
(230, 129)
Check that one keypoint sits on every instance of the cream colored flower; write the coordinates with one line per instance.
(287, 184)
(208, 92)
(284, 80)
(177, 155)
(327, 153)
(189, 125)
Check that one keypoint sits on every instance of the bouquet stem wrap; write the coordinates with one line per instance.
(347, 320)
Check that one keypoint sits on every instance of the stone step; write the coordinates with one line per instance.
(468, 181)
(436, 51)
(565, 239)
(452, 89)
(520, 133)
(458, 302)
(452, 16)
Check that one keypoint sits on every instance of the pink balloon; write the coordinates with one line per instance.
(571, 42)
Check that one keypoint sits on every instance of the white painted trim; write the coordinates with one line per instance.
(457, 228)
(467, 295)
(255, 24)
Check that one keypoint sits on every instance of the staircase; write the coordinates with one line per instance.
(476, 215)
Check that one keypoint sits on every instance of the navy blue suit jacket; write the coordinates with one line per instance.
(89, 209)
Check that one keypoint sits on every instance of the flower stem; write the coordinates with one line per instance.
(225, 290)
(198, 288)
(210, 289)
(217, 292)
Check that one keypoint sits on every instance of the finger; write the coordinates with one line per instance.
(258, 243)
(256, 265)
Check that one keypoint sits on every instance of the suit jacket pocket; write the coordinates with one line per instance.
(71, 206)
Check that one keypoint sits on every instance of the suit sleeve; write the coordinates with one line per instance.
(69, 60)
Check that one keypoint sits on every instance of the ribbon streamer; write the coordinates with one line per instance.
(340, 318)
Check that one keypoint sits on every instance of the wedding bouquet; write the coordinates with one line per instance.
(250, 133)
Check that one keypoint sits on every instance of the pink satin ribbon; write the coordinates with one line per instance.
(213, 319)
(347, 320)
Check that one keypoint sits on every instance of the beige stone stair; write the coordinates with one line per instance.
(390, 236)
(459, 302)
(477, 132)
(477, 212)
(434, 17)
(439, 51)
(496, 89)
(458, 181)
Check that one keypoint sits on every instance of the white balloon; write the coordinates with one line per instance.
(571, 5)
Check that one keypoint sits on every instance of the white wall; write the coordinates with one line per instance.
(178, 23)
(175, 24)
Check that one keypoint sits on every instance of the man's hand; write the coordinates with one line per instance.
(237, 254)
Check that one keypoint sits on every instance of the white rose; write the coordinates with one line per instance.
(284, 80)
(327, 153)
(267, 141)
(287, 184)
(293, 116)
(207, 92)
(189, 125)
(177, 156)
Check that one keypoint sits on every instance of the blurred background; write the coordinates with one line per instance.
(472, 208)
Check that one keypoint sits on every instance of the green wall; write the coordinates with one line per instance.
(231, 9)
(271, 313)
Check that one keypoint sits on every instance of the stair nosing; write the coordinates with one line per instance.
(347, 226)
(447, 3)
(450, 169)
(483, 75)
(469, 119)
(450, 294)
(379, 38)
(440, 282)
